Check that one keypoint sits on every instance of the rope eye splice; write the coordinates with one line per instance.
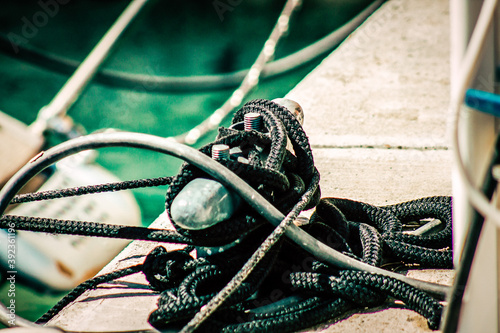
(246, 276)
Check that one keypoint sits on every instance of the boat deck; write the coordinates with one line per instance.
(376, 113)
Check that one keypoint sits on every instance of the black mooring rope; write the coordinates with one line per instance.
(94, 229)
(269, 283)
(309, 282)
(91, 189)
(431, 250)
(372, 233)
(267, 175)
(84, 228)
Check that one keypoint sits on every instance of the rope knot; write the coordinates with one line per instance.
(163, 269)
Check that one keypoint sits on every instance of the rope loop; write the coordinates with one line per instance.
(263, 162)
(165, 270)
(382, 226)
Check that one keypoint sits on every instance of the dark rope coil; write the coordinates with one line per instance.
(289, 289)
(431, 250)
(299, 292)
(368, 233)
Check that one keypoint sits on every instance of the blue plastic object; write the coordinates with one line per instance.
(483, 101)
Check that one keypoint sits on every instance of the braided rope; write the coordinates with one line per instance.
(259, 281)
(83, 228)
(363, 231)
(91, 189)
(432, 250)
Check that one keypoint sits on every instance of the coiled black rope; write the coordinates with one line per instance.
(364, 232)
(306, 292)
(281, 287)
(432, 250)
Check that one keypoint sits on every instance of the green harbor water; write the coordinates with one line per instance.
(169, 38)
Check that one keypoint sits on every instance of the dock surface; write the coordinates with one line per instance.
(376, 113)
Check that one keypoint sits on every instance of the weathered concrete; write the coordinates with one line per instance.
(383, 176)
(387, 85)
(376, 116)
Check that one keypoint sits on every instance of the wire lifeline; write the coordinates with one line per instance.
(469, 248)
(156, 83)
(469, 67)
(210, 166)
